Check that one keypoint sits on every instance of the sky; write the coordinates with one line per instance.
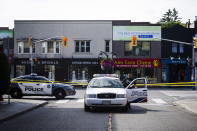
(134, 10)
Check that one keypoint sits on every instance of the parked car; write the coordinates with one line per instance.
(108, 91)
(39, 86)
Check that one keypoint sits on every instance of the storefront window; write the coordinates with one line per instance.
(20, 70)
(50, 71)
(79, 73)
(142, 49)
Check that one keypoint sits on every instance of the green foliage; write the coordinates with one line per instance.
(170, 16)
(171, 24)
(170, 19)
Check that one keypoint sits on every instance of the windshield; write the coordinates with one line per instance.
(105, 83)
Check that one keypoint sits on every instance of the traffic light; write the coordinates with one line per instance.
(29, 41)
(65, 41)
(134, 41)
(195, 42)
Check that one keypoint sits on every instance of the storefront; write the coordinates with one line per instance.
(149, 68)
(59, 69)
(49, 68)
(83, 69)
(175, 70)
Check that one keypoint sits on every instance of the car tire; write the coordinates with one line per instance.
(16, 93)
(86, 108)
(59, 94)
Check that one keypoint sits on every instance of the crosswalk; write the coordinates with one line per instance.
(152, 101)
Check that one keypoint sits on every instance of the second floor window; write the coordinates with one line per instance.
(142, 49)
(181, 48)
(51, 47)
(82, 46)
(107, 49)
(25, 48)
(174, 48)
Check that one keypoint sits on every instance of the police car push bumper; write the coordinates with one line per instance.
(106, 102)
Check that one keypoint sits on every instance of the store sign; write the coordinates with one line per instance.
(6, 34)
(174, 61)
(136, 63)
(143, 33)
(41, 62)
(84, 62)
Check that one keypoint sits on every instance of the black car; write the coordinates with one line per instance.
(39, 86)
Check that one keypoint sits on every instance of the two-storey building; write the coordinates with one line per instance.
(78, 60)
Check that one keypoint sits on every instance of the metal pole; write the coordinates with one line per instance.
(193, 67)
(10, 71)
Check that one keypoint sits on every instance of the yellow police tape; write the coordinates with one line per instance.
(86, 83)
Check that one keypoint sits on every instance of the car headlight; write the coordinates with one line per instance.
(121, 95)
(91, 95)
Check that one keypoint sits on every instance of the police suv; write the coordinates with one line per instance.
(39, 86)
(106, 90)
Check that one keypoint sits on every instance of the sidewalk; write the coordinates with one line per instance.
(188, 104)
(17, 107)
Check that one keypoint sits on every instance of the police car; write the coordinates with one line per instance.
(108, 91)
(38, 85)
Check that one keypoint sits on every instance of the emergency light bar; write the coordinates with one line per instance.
(108, 75)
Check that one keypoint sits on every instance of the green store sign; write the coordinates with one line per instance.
(6, 34)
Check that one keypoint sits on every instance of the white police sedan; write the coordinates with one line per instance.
(108, 91)
(35, 85)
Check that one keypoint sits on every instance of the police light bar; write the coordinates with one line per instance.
(33, 74)
(107, 75)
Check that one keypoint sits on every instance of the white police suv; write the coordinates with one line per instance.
(39, 86)
(108, 91)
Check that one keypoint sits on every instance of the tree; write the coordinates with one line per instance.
(170, 18)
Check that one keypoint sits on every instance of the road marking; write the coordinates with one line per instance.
(80, 100)
(149, 104)
(62, 101)
(109, 124)
(159, 101)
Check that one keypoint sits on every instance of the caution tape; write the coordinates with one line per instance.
(86, 83)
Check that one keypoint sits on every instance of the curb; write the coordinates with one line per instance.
(23, 112)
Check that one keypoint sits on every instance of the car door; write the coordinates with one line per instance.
(27, 85)
(137, 91)
(44, 86)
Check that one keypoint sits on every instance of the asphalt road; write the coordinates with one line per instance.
(159, 114)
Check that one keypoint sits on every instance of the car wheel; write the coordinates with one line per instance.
(86, 108)
(60, 94)
(16, 93)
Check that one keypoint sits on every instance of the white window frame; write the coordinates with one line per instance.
(85, 46)
(21, 44)
(45, 47)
